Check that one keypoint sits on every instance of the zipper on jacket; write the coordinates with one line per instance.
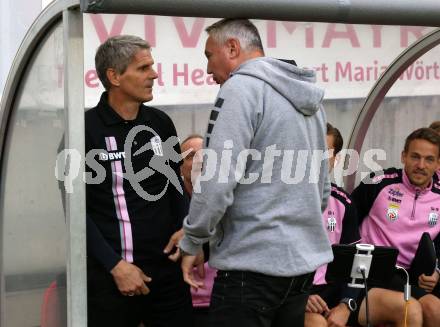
(414, 204)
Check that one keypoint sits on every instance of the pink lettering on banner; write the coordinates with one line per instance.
(321, 72)
(332, 33)
(272, 31)
(159, 72)
(101, 30)
(189, 40)
(416, 31)
(436, 70)
(343, 72)
(150, 30)
(197, 76)
(290, 27)
(358, 73)
(377, 35)
(91, 79)
(418, 71)
(183, 74)
(310, 36)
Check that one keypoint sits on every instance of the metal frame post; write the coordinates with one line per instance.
(74, 139)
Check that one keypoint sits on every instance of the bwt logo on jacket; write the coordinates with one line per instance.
(105, 156)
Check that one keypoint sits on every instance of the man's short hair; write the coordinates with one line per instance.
(117, 52)
(338, 141)
(424, 133)
(190, 137)
(241, 29)
(435, 126)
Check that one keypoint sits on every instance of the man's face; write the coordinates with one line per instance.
(331, 148)
(136, 83)
(420, 162)
(219, 63)
(195, 145)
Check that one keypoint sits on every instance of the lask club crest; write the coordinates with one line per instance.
(432, 219)
(156, 144)
(393, 213)
(331, 224)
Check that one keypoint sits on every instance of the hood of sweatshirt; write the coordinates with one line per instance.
(293, 83)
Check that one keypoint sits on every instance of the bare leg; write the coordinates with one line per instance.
(388, 307)
(431, 310)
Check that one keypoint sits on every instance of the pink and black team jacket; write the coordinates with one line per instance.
(393, 212)
(341, 223)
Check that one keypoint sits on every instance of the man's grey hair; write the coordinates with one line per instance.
(241, 29)
(117, 52)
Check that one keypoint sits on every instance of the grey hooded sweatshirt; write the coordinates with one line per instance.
(264, 182)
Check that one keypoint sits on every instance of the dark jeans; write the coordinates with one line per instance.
(167, 305)
(246, 299)
(201, 317)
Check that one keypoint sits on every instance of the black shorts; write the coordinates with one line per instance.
(398, 282)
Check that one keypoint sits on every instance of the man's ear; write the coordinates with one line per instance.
(402, 157)
(113, 77)
(234, 48)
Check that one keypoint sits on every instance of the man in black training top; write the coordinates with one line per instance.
(133, 206)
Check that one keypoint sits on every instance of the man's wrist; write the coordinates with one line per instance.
(349, 303)
(116, 269)
(188, 248)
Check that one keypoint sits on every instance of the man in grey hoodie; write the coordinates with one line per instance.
(264, 184)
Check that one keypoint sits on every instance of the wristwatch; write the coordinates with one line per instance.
(351, 303)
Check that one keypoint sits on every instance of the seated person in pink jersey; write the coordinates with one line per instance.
(340, 221)
(436, 127)
(395, 207)
(201, 298)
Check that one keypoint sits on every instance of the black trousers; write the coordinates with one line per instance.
(201, 317)
(167, 305)
(246, 299)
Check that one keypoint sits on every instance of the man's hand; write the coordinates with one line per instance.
(190, 261)
(338, 316)
(173, 243)
(428, 282)
(130, 279)
(315, 304)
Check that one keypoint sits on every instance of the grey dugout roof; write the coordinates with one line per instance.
(380, 12)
